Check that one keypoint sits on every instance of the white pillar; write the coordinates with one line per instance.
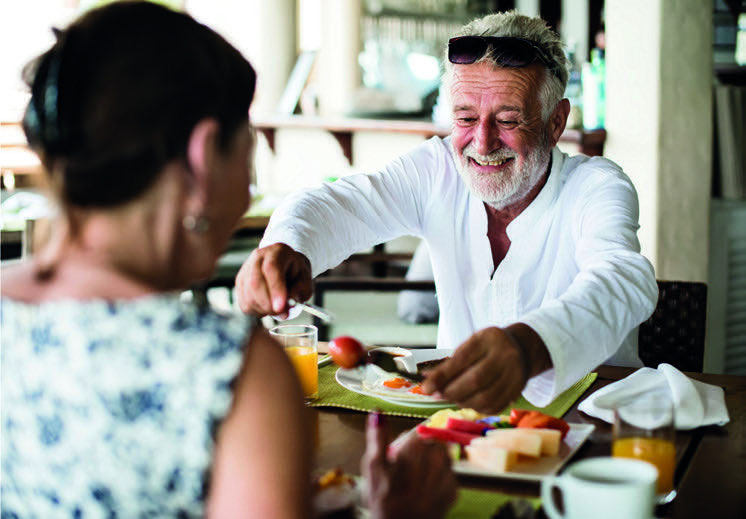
(265, 32)
(575, 27)
(338, 71)
(527, 7)
(659, 124)
(275, 50)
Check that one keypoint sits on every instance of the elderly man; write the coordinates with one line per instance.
(534, 253)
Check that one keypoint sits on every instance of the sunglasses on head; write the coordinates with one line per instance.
(508, 51)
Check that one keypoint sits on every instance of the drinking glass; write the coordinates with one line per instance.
(301, 343)
(644, 429)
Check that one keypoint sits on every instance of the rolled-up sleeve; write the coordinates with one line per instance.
(333, 221)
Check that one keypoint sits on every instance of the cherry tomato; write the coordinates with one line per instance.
(347, 352)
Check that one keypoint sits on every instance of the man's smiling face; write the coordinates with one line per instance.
(500, 143)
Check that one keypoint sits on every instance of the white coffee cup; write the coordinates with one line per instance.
(603, 487)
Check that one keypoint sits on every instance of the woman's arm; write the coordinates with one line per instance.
(262, 459)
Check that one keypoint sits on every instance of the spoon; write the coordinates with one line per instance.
(322, 313)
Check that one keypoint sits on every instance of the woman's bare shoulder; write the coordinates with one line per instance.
(18, 281)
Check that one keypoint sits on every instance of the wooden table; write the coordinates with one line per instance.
(711, 461)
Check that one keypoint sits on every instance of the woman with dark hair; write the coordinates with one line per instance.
(118, 397)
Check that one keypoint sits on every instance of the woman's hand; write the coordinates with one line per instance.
(416, 481)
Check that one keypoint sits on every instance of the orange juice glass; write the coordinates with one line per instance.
(301, 343)
(644, 429)
(658, 451)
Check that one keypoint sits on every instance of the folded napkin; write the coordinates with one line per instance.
(695, 403)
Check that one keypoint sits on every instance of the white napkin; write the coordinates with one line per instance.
(695, 403)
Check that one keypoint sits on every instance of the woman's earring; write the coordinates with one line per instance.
(198, 224)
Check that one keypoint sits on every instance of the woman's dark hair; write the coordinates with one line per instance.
(117, 96)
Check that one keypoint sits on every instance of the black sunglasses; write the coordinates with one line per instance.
(508, 51)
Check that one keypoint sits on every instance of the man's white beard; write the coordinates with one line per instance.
(503, 189)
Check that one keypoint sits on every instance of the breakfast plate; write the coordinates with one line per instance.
(528, 469)
(355, 380)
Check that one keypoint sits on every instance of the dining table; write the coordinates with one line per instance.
(710, 475)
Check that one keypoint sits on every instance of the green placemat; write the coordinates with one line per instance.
(332, 394)
(477, 504)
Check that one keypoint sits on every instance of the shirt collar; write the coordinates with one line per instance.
(543, 201)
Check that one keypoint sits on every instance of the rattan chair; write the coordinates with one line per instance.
(675, 333)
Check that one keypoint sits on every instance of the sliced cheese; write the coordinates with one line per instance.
(491, 458)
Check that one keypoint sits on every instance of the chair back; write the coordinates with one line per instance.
(675, 333)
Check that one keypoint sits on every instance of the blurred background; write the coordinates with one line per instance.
(347, 85)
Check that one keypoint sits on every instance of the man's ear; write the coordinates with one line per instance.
(558, 120)
(201, 151)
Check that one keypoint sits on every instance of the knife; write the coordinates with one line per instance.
(322, 313)
(387, 362)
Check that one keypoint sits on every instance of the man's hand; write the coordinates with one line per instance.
(269, 277)
(490, 369)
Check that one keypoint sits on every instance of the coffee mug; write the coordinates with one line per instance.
(603, 487)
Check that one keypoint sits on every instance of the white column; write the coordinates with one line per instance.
(275, 49)
(659, 124)
(575, 27)
(265, 32)
(338, 71)
(527, 7)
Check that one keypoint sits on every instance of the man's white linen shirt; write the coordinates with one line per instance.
(573, 271)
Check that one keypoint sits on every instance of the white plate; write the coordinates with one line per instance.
(352, 379)
(529, 469)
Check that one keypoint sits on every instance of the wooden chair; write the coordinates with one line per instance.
(675, 332)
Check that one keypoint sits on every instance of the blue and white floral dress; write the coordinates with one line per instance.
(109, 409)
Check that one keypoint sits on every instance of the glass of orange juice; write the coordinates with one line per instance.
(644, 429)
(301, 342)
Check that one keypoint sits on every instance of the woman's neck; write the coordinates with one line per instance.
(103, 254)
(73, 277)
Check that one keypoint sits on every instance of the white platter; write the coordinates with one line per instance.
(529, 469)
(535, 470)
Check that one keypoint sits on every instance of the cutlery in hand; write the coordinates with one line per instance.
(322, 313)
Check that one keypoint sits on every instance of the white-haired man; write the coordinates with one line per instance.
(535, 254)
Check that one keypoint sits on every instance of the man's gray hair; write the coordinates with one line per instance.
(516, 25)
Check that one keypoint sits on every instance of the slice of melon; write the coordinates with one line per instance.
(520, 441)
(550, 439)
(491, 458)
